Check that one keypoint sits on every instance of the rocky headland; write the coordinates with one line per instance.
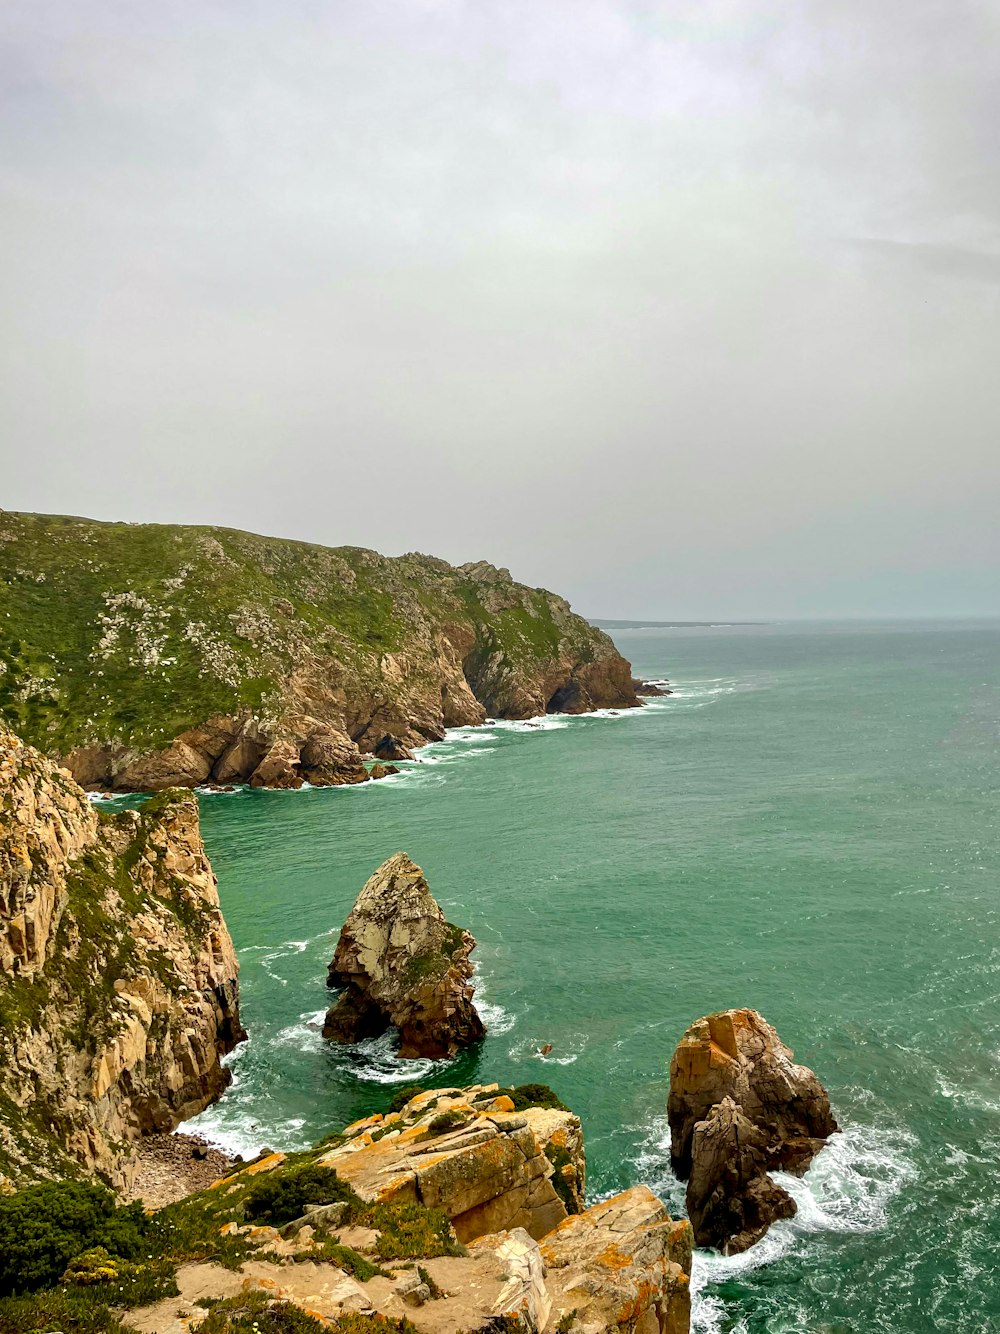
(147, 656)
(740, 1108)
(119, 987)
(399, 963)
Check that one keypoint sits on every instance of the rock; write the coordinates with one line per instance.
(737, 1054)
(279, 767)
(180, 765)
(489, 1174)
(524, 1302)
(391, 748)
(401, 964)
(649, 689)
(731, 1201)
(382, 770)
(622, 1265)
(119, 920)
(738, 1108)
(331, 759)
(412, 1289)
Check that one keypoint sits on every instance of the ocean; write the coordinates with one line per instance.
(808, 826)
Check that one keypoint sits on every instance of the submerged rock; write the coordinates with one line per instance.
(738, 1108)
(402, 965)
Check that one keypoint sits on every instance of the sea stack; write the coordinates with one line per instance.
(739, 1107)
(400, 964)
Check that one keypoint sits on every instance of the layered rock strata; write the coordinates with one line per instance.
(739, 1108)
(146, 657)
(400, 964)
(118, 980)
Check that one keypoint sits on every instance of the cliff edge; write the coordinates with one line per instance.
(119, 985)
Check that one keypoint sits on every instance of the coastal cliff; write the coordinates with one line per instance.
(118, 979)
(150, 656)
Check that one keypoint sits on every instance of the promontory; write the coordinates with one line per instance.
(145, 656)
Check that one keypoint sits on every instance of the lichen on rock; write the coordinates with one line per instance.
(400, 964)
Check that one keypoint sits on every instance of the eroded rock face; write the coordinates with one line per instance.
(391, 748)
(402, 965)
(739, 1107)
(118, 979)
(623, 1265)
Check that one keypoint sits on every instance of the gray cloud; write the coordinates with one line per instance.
(561, 285)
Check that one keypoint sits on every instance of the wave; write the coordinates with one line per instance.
(566, 1052)
(847, 1189)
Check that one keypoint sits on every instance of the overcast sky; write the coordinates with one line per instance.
(682, 309)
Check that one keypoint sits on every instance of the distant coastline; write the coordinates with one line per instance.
(603, 623)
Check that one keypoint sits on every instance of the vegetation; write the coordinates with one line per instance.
(280, 1197)
(43, 1227)
(410, 1231)
(133, 633)
(440, 1125)
(399, 1099)
(258, 1313)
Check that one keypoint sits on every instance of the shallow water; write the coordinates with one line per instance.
(808, 826)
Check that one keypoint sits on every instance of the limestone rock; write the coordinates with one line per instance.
(402, 965)
(117, 972)
(739, 1107)
(488, 1174)
(623, 1265)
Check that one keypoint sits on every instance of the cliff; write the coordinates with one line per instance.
(118, 979)
(145, 656)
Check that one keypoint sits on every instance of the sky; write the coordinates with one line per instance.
(684, 310)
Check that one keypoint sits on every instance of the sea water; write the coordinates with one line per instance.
(808, 826)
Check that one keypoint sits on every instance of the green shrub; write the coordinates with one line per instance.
(445, 1122)
(410, 1231)
(399, 1100)
(532, 1095)
(282, 1196)
(43, 1227)
(93, 1266)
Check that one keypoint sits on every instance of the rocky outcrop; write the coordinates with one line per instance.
(621, 1267)
(391, 748)
(212, 656)
(739, 1107)
(650, 689)
(467, 1152)
(118, 979)
(400, 964)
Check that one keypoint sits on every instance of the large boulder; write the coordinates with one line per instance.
(331, 759)
(731, 1201)
(391, 748)
(739, 1107)
(401, 964)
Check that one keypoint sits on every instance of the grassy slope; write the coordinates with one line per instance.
(135, 632)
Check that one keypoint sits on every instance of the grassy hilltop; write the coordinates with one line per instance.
(127, 635)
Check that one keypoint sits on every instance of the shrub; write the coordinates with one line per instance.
(43, 1227)
(282, 1196)
(410, 1231)
(445, 1122)
(399, 1100)
(258, 1313)
(93, 1266)
(532, 1095)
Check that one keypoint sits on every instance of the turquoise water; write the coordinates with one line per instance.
(809, 826)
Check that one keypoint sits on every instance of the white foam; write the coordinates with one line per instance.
(565, 1052)
(376, 1061)
(848, 1188)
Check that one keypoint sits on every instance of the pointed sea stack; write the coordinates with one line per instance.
(739, 1107)
(400, 964)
